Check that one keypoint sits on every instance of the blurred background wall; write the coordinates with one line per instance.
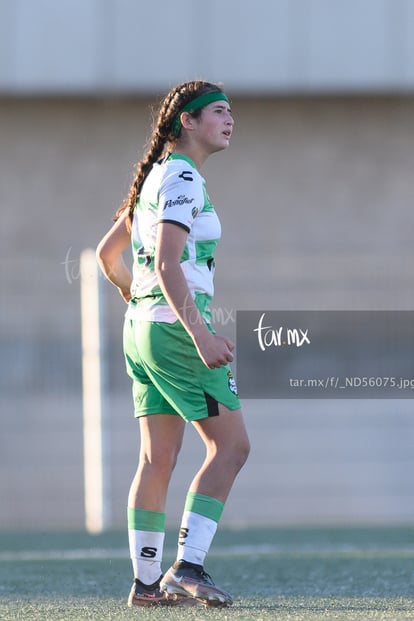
(315, 196)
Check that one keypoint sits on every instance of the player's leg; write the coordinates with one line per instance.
(175, 369)
(161, 439)
(227, 448)
(161, 436)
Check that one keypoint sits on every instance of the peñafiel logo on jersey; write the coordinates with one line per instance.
(180, 200)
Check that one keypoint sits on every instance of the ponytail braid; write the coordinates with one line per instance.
(163, 135)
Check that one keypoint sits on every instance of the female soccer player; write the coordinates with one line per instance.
(179, 366)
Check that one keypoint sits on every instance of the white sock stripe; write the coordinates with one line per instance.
(190, 518)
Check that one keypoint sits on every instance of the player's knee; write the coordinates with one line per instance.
(162, 461)
(237, 453)
(243, 451)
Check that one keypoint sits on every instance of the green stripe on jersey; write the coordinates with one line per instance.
(207, 202)
(205, 251)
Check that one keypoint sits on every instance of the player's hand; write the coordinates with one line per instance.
(214, 350)
(126, 295)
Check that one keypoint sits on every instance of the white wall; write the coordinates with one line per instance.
(269, 46)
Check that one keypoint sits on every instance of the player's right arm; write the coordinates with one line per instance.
(109, 256)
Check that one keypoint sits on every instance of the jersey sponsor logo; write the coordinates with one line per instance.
(180, 200)
(148, 552)
(186, 175)
(232, 383)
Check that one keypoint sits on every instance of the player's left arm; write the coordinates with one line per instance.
(109, 256)
(214, 350)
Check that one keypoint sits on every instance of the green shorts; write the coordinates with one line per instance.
(169, 376)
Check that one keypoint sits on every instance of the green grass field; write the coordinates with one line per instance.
(294, 574)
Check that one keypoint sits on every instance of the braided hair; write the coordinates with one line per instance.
(163, 135)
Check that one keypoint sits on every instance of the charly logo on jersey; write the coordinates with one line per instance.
(180, 200)
(186, 175)
(232, 383)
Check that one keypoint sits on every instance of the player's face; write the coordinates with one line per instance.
(215, 126)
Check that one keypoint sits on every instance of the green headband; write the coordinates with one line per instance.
(196, 104)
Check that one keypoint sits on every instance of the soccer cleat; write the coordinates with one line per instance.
(146, 595)
(187, 580)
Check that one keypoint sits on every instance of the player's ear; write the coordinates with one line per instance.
(187, 121)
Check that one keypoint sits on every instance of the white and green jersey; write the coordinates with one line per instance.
(174, 191)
